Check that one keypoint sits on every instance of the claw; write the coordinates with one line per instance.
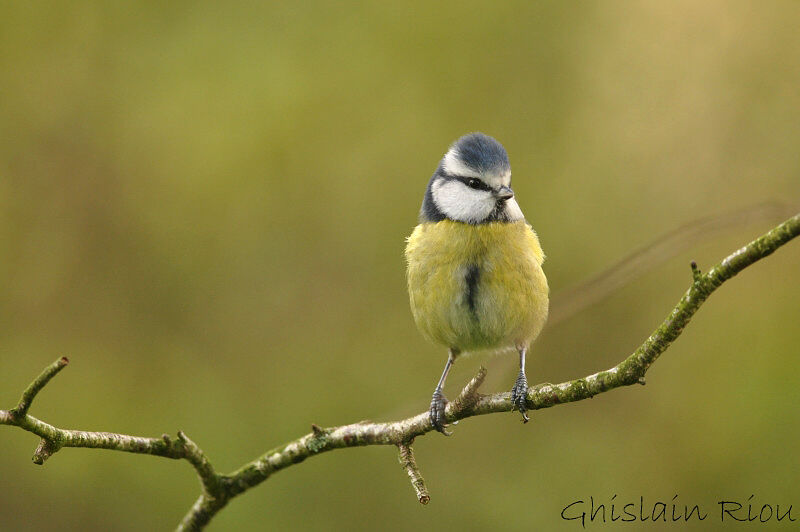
(438, 404)
(519, 395)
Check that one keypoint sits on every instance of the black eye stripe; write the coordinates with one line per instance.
(473, 182)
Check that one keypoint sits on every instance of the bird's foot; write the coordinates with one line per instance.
(519, 396)
(438, 404)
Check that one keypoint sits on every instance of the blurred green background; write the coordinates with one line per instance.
(204, 206)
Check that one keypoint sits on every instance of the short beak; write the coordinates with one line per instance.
(504, 193)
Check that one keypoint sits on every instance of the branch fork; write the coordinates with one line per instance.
(218, 489)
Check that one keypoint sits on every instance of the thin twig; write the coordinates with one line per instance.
(568, 302)
(410, 465)
(219, 489)
(33, 388)
(195, 456)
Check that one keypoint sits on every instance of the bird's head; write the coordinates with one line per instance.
(472, 184)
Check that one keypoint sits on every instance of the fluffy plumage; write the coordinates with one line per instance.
(475, 277)
(477, 287)
(466, 185)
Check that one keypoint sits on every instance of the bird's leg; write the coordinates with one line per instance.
(519, 392)
(439, 401)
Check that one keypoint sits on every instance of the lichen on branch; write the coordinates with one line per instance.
(218, 489)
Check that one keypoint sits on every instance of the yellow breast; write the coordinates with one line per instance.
(475, 287)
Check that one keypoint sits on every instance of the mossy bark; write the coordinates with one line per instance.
(218, 489)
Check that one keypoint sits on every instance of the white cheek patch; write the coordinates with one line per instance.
(459, 202)
(454, 166)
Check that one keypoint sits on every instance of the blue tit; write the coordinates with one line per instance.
(475, 276)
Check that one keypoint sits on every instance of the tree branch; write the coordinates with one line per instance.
(33, 388)
(409, 463)
(219, 489)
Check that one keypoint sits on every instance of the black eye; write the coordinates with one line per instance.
(475, 183)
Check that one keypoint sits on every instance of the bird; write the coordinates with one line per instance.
(474, 265)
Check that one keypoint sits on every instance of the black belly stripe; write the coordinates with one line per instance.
(472, 278)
